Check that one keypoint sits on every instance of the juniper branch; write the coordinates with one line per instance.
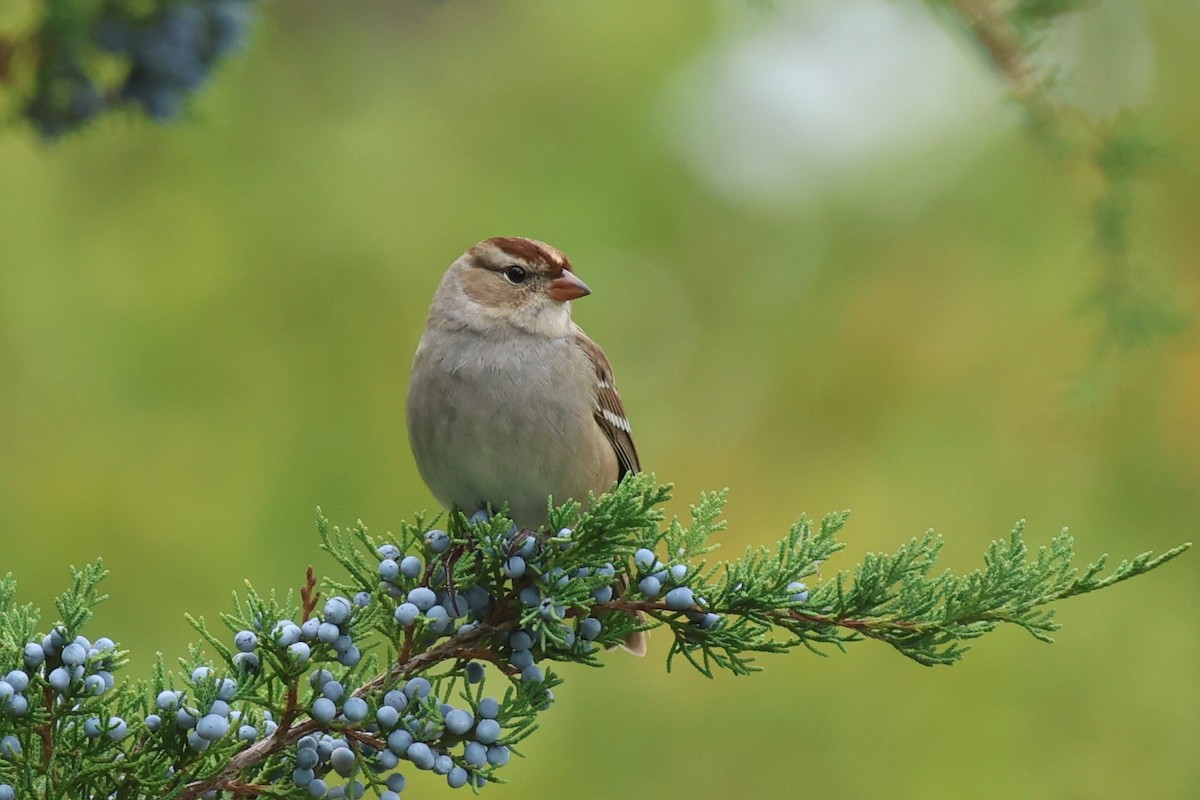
(583, 586)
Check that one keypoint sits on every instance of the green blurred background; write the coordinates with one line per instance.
(830, 268)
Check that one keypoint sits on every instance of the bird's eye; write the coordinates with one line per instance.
(515, 274)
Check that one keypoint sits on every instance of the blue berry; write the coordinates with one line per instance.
(302, 776)
(399, 741)
(388, 552)
(423, 598)
(197, 742)
(589, 628)
(520, 640)
(59, 679)
(10, 747)
(355, 709)
(456, 605)
(328, 632)
(439, 620)
(227, 690)
(680, 598)
(443, 764)
(389, 570)
(410, 566)
(678, 572)
(798, 591)
(248, 733)
(650, 586)
(459, 721)
(245, 641)
(418, 687)
(310, 628)
(457, 777)
(300, 652)
(475, 754)
(474, 669)
(333, 689)
(74, 654)
(395, 782)
(34, 655)
(324, 710)
(247, 662)
(488, 708)
(406, 614)
(287, 633)
(53, 642)
(479, 516)
(487, 731)
(437, 541)
(521, 659)
(18, 680)
(117, 728)
(307, 757)
(420, 754)
(317, 788)
(153, 721)
(7, 792)
(167, 700)
(92, 727)
(337, 610)
(185, 718)
(532, 673)
(530, 596)
(497, 755)
(514, 567)
(18, 705)
(212, 727)
(603, 594)
(342, 760)
(362, 599)
(387, 717)
(644, 559)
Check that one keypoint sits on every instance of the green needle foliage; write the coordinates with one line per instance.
(454, 688)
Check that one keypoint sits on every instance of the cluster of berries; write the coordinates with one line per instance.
(165, 57)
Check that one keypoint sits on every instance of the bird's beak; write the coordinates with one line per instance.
(567, 287)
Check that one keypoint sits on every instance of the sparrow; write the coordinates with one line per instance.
(509, 401)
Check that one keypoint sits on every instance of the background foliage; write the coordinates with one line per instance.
(205, 331)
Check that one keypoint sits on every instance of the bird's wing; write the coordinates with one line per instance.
(608, 409)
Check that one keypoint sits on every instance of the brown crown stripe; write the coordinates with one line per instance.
(531, 251)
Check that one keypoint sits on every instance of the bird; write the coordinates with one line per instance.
(509, 401)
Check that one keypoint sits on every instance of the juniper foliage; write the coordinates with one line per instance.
(330, 690)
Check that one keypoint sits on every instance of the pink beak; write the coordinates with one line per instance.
(567, 287)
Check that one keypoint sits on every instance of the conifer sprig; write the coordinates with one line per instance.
(437, 650)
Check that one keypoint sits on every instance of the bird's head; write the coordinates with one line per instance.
(518, 281)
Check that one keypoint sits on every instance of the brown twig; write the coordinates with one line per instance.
(997, 36)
